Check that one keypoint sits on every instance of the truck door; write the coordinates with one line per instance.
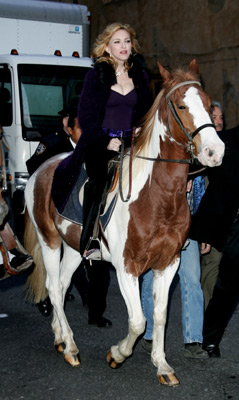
(6, 112)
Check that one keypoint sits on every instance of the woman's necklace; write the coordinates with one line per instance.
(118, 73)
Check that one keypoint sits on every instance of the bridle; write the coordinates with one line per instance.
(190, 136)
(190, 144)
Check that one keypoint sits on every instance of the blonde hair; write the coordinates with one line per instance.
(99, 52)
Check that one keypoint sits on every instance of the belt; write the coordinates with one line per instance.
(118, 133)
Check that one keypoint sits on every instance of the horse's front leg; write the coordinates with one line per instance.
(129, 288)
(161, 285)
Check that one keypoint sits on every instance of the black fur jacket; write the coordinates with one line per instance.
(93, 99)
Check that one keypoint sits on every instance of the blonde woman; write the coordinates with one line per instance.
(114, 98)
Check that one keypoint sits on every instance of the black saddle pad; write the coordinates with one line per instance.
(73, 210)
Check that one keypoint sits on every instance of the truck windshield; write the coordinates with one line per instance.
(45, 90)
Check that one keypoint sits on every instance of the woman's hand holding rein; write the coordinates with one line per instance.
(114, 144)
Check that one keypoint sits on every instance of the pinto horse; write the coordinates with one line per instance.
(146, 232)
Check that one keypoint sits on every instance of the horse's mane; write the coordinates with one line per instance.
(146, 130)
(179, 76)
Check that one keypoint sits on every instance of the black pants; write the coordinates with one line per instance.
(226, 291)
(97, 170)
(81, 282)
(92, 283)
(99, 279)
(93, 192)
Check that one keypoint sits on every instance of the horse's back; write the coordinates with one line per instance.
(38, 198)
(41, 179)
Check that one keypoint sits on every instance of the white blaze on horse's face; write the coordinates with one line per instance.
(212, 148)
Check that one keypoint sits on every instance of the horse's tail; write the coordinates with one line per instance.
(36, 281)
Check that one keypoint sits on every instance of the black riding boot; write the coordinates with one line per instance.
(92, 199)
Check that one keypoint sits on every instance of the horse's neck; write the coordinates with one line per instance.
(167, 173)
(159, 145)
(172, 150)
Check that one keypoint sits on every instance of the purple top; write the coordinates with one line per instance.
(119, 110)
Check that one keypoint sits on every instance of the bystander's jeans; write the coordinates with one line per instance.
(147, 302)
(191, 295)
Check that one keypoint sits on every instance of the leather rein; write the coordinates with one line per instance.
(189, 136)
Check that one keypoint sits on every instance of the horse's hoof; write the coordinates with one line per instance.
(111, 362)
(59, 347)
(72, 359)
(168, 380)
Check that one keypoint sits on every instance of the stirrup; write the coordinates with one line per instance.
(93, 250)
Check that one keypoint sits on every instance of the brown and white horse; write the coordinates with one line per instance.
(146, 232)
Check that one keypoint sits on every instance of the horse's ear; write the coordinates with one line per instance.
(164, 73)
(193, 66)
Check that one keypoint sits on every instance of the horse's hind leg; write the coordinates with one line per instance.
(162, 282)
(130, 291)
(70, 262)
(61, 329)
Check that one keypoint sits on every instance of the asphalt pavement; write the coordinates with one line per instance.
(30, 368)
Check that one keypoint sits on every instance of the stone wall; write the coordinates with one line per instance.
(175, 32)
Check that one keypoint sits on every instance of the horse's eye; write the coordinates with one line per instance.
(181, 107)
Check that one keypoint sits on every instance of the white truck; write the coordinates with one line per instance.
(44, 56)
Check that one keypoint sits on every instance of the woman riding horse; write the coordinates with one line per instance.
(114, 98)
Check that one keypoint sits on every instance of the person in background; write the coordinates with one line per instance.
(53, 143)
(217, 115)
(216, 223)
(210, 261)
(13, 257)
